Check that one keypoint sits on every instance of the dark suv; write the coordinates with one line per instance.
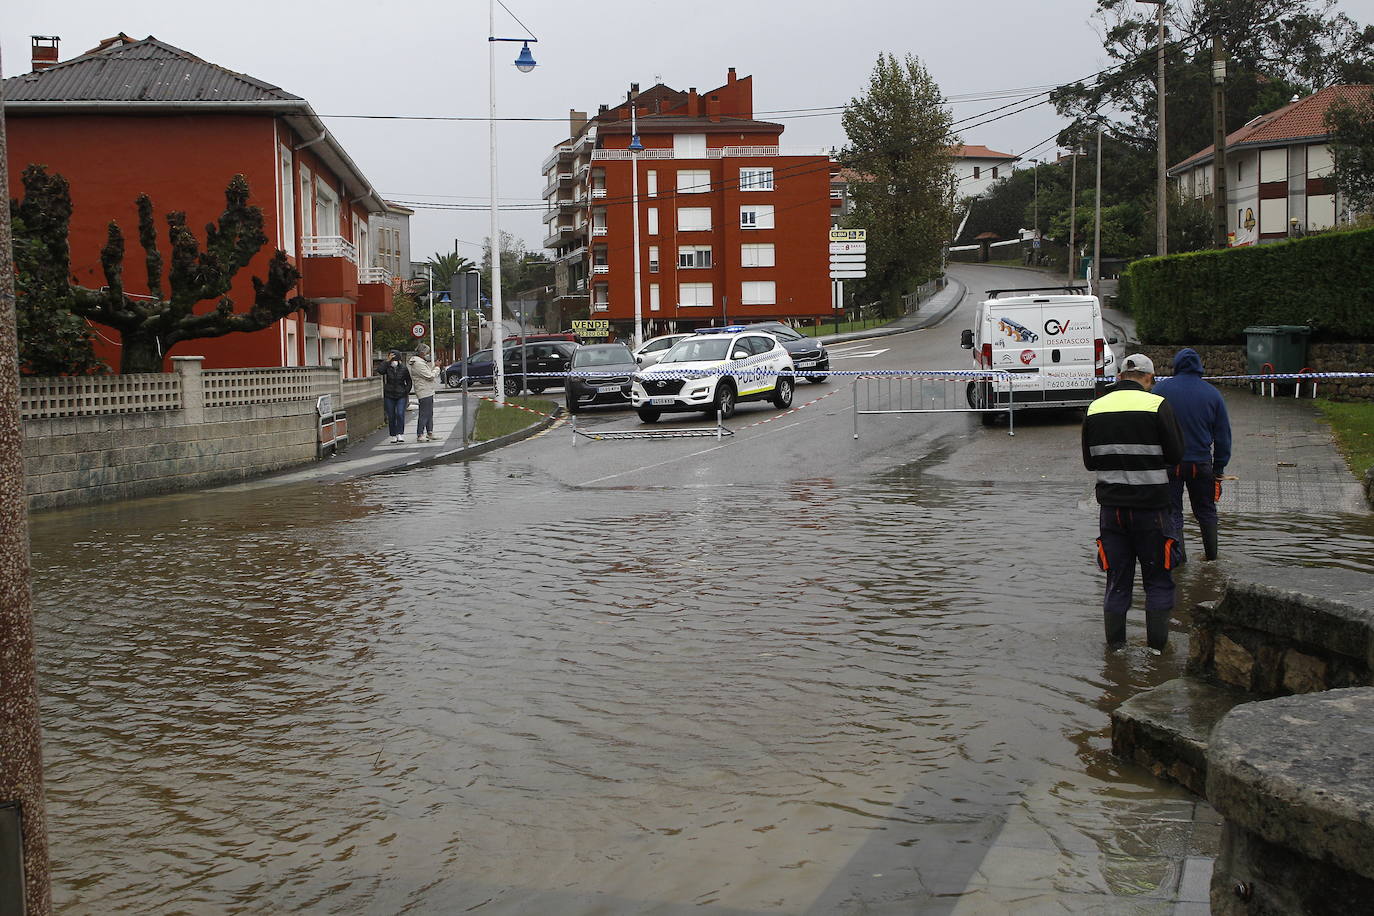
(808, 354)
(545, 356)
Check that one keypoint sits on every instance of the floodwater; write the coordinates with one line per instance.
(458, 689)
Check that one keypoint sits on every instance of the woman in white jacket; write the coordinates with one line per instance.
(422, 376)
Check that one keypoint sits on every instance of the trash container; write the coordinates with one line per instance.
(1283, 346)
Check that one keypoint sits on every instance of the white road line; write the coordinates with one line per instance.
(861, 354)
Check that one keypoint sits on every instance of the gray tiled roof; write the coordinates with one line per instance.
(148, 71)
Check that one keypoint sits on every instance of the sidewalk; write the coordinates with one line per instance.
(928, 313)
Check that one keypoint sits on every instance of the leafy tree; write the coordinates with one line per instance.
(900, 136)
(442, 266)
(150, 325)
(392, 331)
(52, 339)
(1352, 147)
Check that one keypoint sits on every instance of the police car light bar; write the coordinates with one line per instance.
(732, 329)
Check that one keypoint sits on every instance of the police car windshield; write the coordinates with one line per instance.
(698, 349)
(614, 355)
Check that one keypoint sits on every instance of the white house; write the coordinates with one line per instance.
(977, 167)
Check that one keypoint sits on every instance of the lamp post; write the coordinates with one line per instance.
(1161, 181)
(1035, 212)
(635, 148)
(524, 63)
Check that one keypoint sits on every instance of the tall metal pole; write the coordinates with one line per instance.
(634, 205)
(1097, 222)
(24, 884)
(1035, 219)
(429, 280)
(1073, 211)
(1221, 205)
(497, 356)
(1162, 227)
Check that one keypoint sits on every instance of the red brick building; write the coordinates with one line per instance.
(731, 225)
(132, 117)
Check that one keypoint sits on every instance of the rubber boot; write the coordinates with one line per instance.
(1209, 541)
(1157, 628)
(1116, 629)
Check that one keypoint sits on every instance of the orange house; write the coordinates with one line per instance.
(132, 117)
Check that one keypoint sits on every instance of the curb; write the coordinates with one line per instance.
(889, 330)
(472, 451)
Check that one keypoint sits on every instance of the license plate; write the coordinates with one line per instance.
(607, 389)
(806, 364)
(662, 400)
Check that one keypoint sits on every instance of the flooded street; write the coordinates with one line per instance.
(467, 686)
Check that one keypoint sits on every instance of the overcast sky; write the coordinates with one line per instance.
(429, 58)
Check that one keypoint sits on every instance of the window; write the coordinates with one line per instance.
(653, 259)
(994, 168)
(1273, 215)
(307, 202)
(689, 146)
(690, 295)
(653, 297)
(653, 220)
(326, 209)
(758, 216)
(693, 181)
(976, 171)
(758, 292)
(760, 345)
(653, 183)
(287, 221)
(1318, 161)
(756, 179)
(1273, 165)
(690, 256)
(756, 255)
(1321, 212)
(694, 219)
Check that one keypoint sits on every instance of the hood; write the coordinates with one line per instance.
(1187, 360)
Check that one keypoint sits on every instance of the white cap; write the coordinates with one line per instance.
(1138, 362)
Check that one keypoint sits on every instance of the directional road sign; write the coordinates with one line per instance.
(848, 235)
(836, 274)
(848, 247)
(848, 258)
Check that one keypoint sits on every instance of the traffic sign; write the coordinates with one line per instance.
(837, 274)
(417, 330)
(848, 247)
(848, 235)
(848, 258)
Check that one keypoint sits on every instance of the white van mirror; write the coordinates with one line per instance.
(1112, 340)
(966, 339)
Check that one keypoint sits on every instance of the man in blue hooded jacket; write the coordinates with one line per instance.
(1201, 413)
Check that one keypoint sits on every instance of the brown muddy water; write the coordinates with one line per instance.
(455, 690)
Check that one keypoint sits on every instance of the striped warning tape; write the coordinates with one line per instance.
(954, 374)
(537, 413)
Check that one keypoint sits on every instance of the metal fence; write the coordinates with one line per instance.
(947, 391)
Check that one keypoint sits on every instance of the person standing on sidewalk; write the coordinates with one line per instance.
(422, 376)
(395, 393)
(1201, 413)
(1130, 438)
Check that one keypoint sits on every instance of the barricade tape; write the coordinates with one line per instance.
(947, 374)
(537, 413)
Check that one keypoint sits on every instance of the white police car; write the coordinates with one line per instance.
(712, 371)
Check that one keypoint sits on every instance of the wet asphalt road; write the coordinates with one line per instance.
(790, 672)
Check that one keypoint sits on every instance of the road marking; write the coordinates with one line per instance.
(860, 354)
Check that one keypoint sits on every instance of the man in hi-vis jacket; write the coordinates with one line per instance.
(1131, 438)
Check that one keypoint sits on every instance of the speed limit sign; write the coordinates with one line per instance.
(417, 330)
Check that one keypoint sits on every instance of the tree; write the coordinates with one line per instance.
(52, 339)
(442, 266)
(149, 325)
(900, 138)
(392, 330)
(1352, 147)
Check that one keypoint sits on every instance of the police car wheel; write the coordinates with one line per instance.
(725, 402)
(648, 414)
(782, 394)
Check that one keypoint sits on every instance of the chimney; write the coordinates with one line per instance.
(730, 78)
(44, 51)
(713, 107)
(693, 103)
(634, 90)
(576, 121)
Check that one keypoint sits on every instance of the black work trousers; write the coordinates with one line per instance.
(1130, 537)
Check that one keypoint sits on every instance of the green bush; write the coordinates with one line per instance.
(1325, 281)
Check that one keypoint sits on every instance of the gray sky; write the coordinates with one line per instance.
(424, 57)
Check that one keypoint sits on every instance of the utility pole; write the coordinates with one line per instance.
(24, 882)
(1073, 210)
(1161, 165)
(1097, 222)
(1219, 198)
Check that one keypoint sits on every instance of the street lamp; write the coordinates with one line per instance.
(524, 63)
(1035, 212)
(635, 149)
(1161, 180)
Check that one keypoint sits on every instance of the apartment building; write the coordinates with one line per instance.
(732, 226)
(142, 116)
(1278, 171)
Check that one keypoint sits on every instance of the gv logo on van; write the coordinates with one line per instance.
(1054, 327)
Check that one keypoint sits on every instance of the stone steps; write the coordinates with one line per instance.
(1166, 729)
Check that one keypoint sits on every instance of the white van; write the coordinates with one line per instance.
(1050, 339)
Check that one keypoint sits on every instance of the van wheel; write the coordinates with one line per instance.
(782, 394)
(649, 414)
(724, 406)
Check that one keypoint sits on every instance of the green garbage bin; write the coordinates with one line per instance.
(1283, 346)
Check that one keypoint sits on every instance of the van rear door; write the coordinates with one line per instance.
(1070, 328)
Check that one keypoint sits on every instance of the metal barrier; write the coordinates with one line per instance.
(951, 391)
(718, 432)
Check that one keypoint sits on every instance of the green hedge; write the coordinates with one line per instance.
(1325, 281)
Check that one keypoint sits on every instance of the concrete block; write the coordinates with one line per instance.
(1166, 729)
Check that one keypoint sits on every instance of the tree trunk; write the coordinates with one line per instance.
(140, 353)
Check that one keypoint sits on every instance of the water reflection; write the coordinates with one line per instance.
(459, 688)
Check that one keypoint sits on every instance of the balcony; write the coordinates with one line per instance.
(725, 152)
(600, 230)
(375, 295)
(601, 268)
(550, 215)
(574, 254)
(598, 193)
(556, 236)
(563, 151)
(329, 269)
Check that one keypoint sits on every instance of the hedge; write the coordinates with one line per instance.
(1324, 281)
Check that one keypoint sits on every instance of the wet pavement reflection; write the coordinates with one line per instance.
(467, 687)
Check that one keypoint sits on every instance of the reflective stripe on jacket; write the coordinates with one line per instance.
(1130, 438)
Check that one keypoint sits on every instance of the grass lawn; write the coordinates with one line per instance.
(494, 421)
(828, 327)
(1353, 423)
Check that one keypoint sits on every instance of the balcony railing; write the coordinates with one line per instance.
(598, 193)
(574, 254)
(600, 230)
(601, 268)
(328, 246)
(558, 153)
(726, 152)
(374, 275)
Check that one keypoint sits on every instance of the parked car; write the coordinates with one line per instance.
(807, 353)
(712, 371)
(601, 375)
(480, 372)
(547, 356)
(652, 350)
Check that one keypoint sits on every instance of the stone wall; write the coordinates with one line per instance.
(1229, 359)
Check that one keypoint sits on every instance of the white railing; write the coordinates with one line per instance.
(582, 284)
(727, 152)
(601, 268)
(837, 195)
(236, 387)
(598, 193)
(600, 230)
(328, 246)
(91, 395)
(602, 306)
(374, 275)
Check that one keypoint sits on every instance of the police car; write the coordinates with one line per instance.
(712, 371)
